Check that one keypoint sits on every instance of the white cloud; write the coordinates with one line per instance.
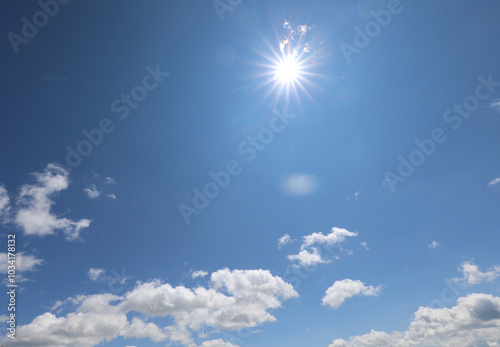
(111, 196)
(139, 329)
(300, 185)
(494, 182)
(4, 205)
(307, 258)
(34, 205)
(365, 245)
(234, 300)
(345, 289)
(474, 321)
(472, 275)
(433, 245)
(199, 273)
(337, 235)
(495, 104)
(92, 191)
(310, 255)
(283, 240)
(109, 180)
(217, 343)
(95, 274)
(24, 262)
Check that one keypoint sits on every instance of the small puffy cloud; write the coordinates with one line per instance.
(494, 182)
(4, 204)
(345, 289)
(365, 245)
(472, 275)
(92, 191)
(199, 273)
(433, 245)
(308, 258)
(33, 213)
(24, 262)
(337, 235)
(474, 321)
(111, 196)
(109, 180)
(96, 274)
(283, 240)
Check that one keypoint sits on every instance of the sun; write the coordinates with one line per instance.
(287, 70)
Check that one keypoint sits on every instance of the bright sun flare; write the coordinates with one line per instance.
(287, 70)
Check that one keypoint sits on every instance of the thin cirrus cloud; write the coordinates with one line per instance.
(472, 275)
(34, 204)
(345, 289)
(233, 300)
(474, 321)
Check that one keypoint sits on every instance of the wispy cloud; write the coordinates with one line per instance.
(345, 289)
(24, 262)
(96, 274)
(34, 204)
(198, 273)
(495, 104)
(92, 191)
(494, 182)
(111, 196)
(472, 275)
(283, 240)
(4, 205)
(433, 245)
(109, 180)
(297, 36)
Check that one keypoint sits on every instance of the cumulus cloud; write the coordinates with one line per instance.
(92, 191)
(198, 273)
(494, 182)
(433, 245)
(283, 240)
(337, 235)
(34, 205)
(345, 289)
(233, 300)
(310, 255)
(95, 274)
(472, 275)
(474, 321)
(308, 258)
(24, 262)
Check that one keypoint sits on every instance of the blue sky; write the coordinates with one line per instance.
(246, 173)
